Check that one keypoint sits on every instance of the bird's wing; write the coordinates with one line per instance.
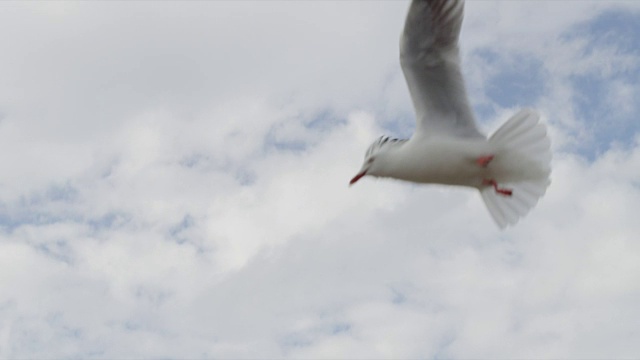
(431, 64)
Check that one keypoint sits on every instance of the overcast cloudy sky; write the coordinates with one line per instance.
(174, 184)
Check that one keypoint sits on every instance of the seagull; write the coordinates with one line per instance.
(511, 168)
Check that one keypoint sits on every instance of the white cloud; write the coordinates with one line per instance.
(175, 185)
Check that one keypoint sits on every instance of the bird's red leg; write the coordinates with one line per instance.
(484, 160)
(502, 191)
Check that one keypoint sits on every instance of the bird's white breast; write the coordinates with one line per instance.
(454, 161)
(445, 160)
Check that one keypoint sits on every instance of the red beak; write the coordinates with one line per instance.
(357, 177)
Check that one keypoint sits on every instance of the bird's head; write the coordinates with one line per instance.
(374, 156)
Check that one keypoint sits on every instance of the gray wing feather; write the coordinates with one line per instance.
(431, 64)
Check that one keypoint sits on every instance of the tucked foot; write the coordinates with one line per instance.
(502, 191)
(484, 160)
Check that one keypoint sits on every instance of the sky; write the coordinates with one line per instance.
(175, 185)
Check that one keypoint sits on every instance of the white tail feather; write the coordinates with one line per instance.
(522, 134)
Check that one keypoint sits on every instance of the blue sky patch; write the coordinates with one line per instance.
(178, 231)
(614, 28)
(520, 81)
(57, 250)
(317, 122)
(595, 101)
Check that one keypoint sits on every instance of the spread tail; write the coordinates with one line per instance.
(525, 135)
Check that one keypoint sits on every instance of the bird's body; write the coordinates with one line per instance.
(447, 148)
(448, 161)
(453, 161)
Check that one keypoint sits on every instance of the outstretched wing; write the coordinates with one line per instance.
(431, 66)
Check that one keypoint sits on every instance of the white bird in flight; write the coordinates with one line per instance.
(510, 169)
